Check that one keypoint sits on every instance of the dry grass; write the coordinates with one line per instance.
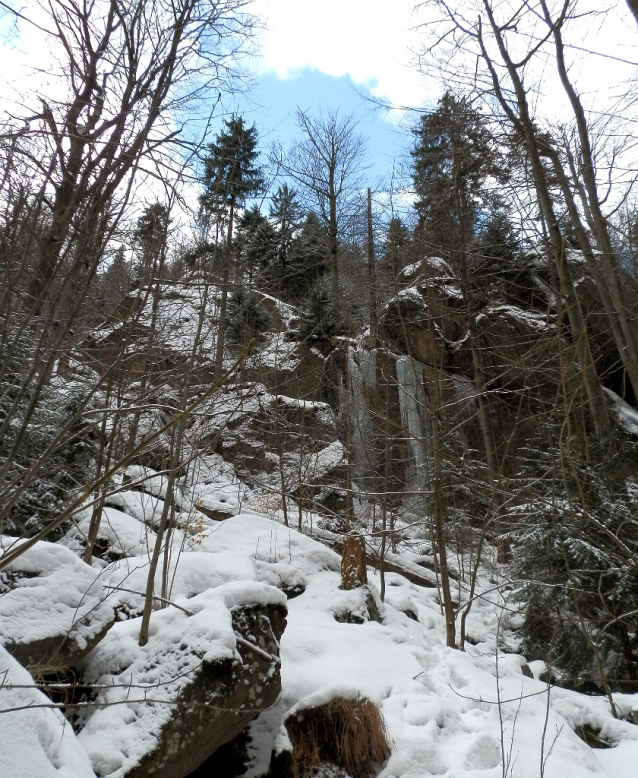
(349, 734)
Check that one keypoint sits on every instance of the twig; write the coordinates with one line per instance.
(155, 597)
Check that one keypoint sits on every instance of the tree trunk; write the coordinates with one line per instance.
(523, 122)
(333, 248)
(221, 331)
(439, 525)
(372, 278)
(591, 204)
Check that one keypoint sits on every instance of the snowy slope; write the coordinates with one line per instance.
(36, 741)
(441, 706)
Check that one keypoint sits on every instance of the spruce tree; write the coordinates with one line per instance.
(453, 156)
(286, 213)
(257, 245)
(576, 538)
(396, 248)
(308, 259)
(150, 235)
(231, 175)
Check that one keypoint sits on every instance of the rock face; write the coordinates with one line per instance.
(53, 608)
(266, 426)
(223, 697)
(428, 321)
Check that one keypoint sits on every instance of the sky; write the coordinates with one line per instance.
(351, 55)
(372, 41)
(347, 55)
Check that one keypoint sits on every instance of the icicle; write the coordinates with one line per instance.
(415, 421)
(361, 420)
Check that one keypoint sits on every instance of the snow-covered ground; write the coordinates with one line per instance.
(471, 714)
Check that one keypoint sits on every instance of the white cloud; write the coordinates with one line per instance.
(373, 41)
(369, 40)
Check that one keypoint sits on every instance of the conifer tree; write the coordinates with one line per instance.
(231, 175)
(453, 156)
(396, 247)
(308, 259)
(150, 235)
(286, 213)
(257, 245)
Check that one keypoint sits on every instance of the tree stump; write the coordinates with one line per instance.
(353, 563)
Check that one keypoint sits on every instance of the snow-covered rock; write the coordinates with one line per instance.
(119, 535)
(36, 741)
(53, 607)
(208, 668)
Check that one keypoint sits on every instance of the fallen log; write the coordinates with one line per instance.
(393, 563)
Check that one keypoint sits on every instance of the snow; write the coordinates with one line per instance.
(285, 310)
(627, 416)
(437, 267)
(140, 684)
(58, 595)
(123, 534)
(534, 320)
(441, 706)
(144, 507)
(36, 742)
(410, 270)
(321, 463)
(411, 294)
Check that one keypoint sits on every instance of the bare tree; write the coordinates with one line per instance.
(70, 166)
(327, 163)
(488, 36)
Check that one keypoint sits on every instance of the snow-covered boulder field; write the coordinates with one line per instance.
(163, 708)
(441, 706)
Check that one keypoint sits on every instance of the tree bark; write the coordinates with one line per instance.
(372, 278)
(522, 121)
(221, 330)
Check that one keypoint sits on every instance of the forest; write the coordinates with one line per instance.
(308, 470)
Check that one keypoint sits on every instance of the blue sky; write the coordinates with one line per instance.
(273, 102)
(332, 54)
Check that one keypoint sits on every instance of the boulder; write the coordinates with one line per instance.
(428, 322)
(520, 349)
(53, 608)
(207, 670)
(265, 426)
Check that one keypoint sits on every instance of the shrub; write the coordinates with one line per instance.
(349, 734)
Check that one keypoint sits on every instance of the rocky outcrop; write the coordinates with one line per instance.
(263, 427)
(428, 321)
